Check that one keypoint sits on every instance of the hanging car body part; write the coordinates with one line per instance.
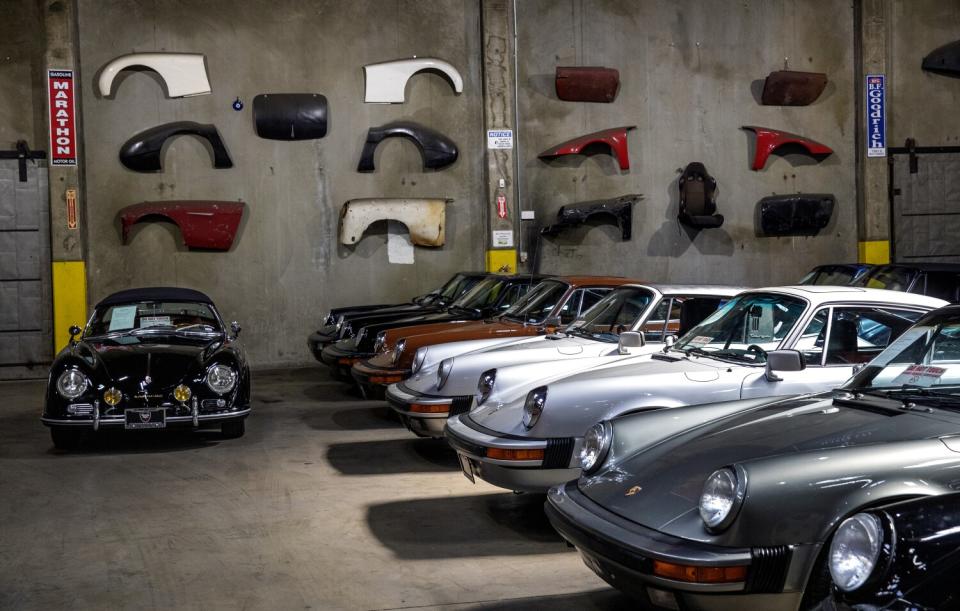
(184, 74)
(769, 140)
(141, 153)
(587, 83)
(386, 82)
(437, 150)
(615, 140)
(944, 60)
(698, 198)
(210, 225)
(618, 209)
(795, 213)
(792, 88)
(424, 218)
(290, 116)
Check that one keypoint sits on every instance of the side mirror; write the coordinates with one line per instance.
(783, 360)
(74, 332)
(669, 341)
(631, 339)
(235, 328)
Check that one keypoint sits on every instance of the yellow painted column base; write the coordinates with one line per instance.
(69, 300)
(502, 261)
(876, 252)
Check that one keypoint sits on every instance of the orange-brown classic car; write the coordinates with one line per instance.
(553, 303)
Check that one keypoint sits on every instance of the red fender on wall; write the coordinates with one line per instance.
(615, 138)
(769, 140)
(203, 224)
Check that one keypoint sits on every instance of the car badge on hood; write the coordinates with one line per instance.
(145, 416)
(634, 490)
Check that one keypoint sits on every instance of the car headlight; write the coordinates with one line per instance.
(596, 444)
(485, 385)
(443, 372)
(533, 406)
(418, 360)
(854, 551)
(380, 341)
(221, 379)
(721, 498)
(71, 384)
(398, 350)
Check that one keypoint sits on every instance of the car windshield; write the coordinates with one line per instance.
(924, 361)
(890, 277)
(457, 286)
(832, 275)
(538, 302)
(482, 295)
(154, 317)
(745, 328)
(615, 313)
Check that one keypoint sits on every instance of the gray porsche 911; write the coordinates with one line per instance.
(733, 505)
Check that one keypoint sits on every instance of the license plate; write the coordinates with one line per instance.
(467, 468)
(146, 418)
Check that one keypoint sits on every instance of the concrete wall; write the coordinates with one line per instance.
(286, 267)
(689, 79)
(22, 46)
(923, 105)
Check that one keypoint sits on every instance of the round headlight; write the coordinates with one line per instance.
(418, 360)
(443, 372)
(485, 385)
(182, 393)
(398, 350)
(112, 396)
(533, 406)
(380, 341)
(720, 500)
(596, 444)
(221, 379)
(854, 551)
(71, 384)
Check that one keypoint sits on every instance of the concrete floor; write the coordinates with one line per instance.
(326, 503)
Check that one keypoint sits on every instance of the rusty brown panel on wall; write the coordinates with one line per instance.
(791, 88)
(587, 83)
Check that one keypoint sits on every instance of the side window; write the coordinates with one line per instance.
(942, 286)
(653, 327)
(812, 339)
(568, 313)
(856, 335)
(591, 297)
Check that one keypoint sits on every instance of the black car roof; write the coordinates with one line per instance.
(154, 293)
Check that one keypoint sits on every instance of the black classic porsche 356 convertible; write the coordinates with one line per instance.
(149, 358)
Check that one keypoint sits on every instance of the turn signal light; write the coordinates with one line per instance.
(112, 396)
(182, 393)
(385, 379)
(700, 574)
(423, 408)
(502, 454)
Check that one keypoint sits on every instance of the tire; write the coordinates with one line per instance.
(232, 429)
(66, 438)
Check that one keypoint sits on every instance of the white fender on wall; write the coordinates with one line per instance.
(386, 81)
(185, 74)
(424, 218)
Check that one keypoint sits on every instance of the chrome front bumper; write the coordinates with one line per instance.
(96, 421)
(558, 465)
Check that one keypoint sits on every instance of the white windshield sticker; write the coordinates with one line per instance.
(154, 321)
(700, 340)
(920, 375)
(122, 317)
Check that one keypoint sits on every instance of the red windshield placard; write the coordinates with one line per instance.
(63, 127)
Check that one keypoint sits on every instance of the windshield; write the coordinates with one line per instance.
(538, 303)
(157, 316)
(925, 357)
(890, 277)
(832, 275)
(613, 314)
(746, 328)
(481, 296)
(457, 286)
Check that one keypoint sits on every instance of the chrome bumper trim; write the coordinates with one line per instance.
(113, 421)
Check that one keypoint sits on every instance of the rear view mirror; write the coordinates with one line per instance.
(235, 328)
(631, 339)
(783, 360)
(669, 341)
(74, 331)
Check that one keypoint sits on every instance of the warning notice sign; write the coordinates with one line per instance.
(63, 125)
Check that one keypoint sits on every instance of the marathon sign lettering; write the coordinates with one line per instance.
(876, 116)
(63, 124)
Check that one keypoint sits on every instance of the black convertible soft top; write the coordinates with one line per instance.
(154, 293)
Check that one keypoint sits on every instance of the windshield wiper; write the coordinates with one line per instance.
(910, 395)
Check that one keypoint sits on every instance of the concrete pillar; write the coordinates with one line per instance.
(873, 172)
(499, 103)
(66, 183)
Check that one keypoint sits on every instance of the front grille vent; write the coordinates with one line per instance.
(558, 453)
(461, 405)
(768, 568)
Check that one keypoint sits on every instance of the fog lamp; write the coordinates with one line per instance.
(182, 393)
(112, 396)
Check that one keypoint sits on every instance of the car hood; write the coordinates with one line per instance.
(610, 387)
(801, 459)
(167, 361)
(454, 330)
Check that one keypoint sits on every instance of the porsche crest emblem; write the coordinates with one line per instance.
(145, 416)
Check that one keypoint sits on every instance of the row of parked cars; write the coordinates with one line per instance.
(702, 446)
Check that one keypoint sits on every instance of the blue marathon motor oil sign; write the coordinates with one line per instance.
(876, 116)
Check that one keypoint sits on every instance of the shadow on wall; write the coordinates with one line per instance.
(465, 526)
(673, 239)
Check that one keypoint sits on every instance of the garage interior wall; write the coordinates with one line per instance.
(22, 45)
(286, 267)
(690, 78)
